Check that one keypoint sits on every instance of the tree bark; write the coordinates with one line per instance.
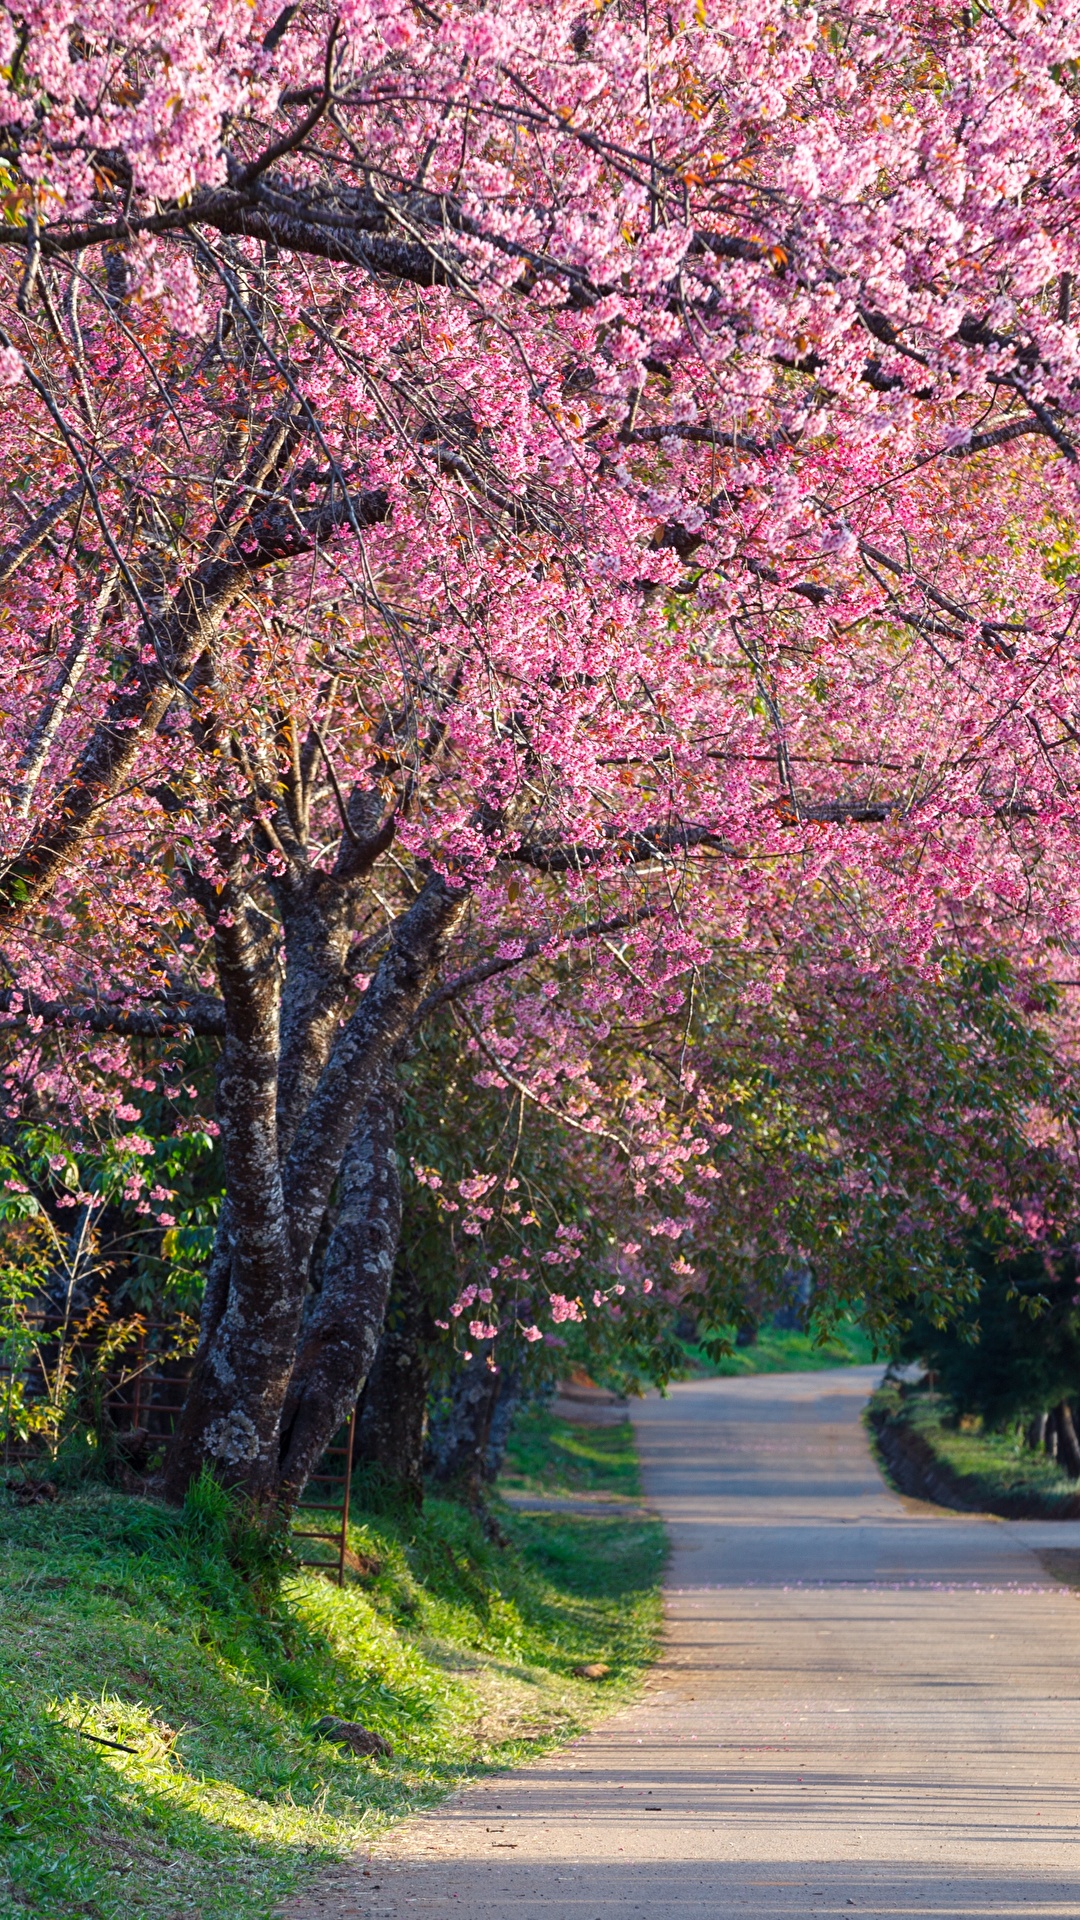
(502, 1419)
(467, 1437)
(392, 1425)
(242, 1370)
(317, 921)
(1068, 1447)
(363, 1051)
(338, 1342)
(267, 1393)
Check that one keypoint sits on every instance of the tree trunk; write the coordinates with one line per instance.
(392, 1424)
(330, 1352)
(467, 1437)
(242, 1370)
(339, 1341)
(1068, 1447)
(502, 1419)
(270, 1388)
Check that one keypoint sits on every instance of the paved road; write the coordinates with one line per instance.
(864, 1704)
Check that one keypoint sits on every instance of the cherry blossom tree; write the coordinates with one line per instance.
(495, 482)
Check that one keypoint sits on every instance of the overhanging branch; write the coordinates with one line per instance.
(177, 639)
(180, 1018)
(530, 950)
(616, 849)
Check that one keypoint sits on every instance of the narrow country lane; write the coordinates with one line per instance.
(864, 1703)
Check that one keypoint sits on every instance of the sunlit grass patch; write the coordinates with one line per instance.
(786, 1350)
(546, 1454)
(977, 1470)
(1001, 1460)
(157, 1752)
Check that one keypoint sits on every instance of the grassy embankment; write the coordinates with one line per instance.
(156, 1754)
(786, 1351)
(926, 1452)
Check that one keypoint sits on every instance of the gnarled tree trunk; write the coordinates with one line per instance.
(469, 1428)
(307, 1109)
(392, 1424)
(339, 1339)
(1068, 1447)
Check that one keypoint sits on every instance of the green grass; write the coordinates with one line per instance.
(784, 1351)
(121, 1619)
(995, 1468)
(547, 1455)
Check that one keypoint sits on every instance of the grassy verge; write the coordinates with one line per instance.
(546, 1455)
(786, 1351)
(926, 1454)
(156, 1752)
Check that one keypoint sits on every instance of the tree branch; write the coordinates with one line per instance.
(13, 556)
(491, 969)
(298, 134)
(178, 637)
(621, 849)
(201, 1015)
(527, 1093)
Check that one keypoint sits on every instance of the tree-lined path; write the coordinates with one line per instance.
(863, 1703)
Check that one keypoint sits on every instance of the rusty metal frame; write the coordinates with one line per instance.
(340, 1536)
